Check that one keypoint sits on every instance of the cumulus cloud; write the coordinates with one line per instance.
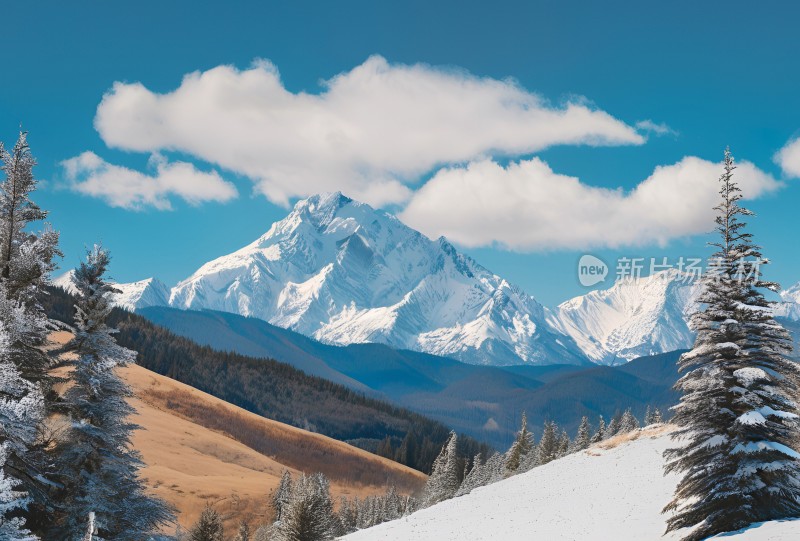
(788, 158)
(122, 187)
(370, 132)
(528, 206)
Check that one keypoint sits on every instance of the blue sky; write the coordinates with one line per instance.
(715, 74)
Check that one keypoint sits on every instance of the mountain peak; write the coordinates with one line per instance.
(342, 272)
(131, 296)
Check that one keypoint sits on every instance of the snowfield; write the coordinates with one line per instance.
(602, 494)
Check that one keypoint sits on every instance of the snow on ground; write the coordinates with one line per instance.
(611, 494)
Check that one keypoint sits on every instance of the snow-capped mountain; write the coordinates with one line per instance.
(132, 296)
(790, 307)
(633, 318)
(343, 272)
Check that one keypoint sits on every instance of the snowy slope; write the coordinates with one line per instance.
(342, 272)
(600, 495)
(132, 296)
(633, 318)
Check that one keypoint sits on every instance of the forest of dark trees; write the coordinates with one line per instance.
(279, 391)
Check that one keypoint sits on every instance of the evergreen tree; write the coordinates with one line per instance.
(21, 412)
(98, 466)
(244, 532)
(657, 418)
(263, 533)
(281, 495)
(443, 481)
(613, 427)
(601, 431)
(547, 450)
(737, 413)
(308, 516)
(12, 527)
(26, 260)
(628, 423)
(208, 527)
(582, 439)
(563, 444)
(473, 479)
(523, 444)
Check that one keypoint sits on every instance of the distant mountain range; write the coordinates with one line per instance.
(341, 272)
(482, 401)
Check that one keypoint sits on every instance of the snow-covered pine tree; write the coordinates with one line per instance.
(523, 444)
(208, 527)
(657, 418)
(26, 260)
(737, 414)
(12, 527)
(547, 450)
(98, 466)
(601, 431)
(443, 481)
(281, 495)
(648, 416)
(308, 516)
(474, 478)
(22, 410)
(613, 427)
(263, 533)
(244, 532)
(628, 423)
(564, 444)
(347, 516)
(582, 438)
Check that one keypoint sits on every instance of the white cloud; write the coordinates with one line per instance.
(370, 132)
(527, 206)
(122, 187)
(658, 128)
(788, 158)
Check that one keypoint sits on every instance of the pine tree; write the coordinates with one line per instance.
(244, 532)
(308, 516)
(98, 465)
(601, 431)
(563, 444)
(736, 415)
(648, 416)
(657, 418)
(547, 450)
(613, 427)
(281, 495)
(582, 439)
(628, 423)
(22, 409)
(443, 482)
(208, 527)
(523, 444)
(26, 260)
(474, 478)
(12, 528)
(263, 533)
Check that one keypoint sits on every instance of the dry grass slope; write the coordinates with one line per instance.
(200, 450)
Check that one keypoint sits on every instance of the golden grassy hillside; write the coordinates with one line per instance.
(199, 449)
